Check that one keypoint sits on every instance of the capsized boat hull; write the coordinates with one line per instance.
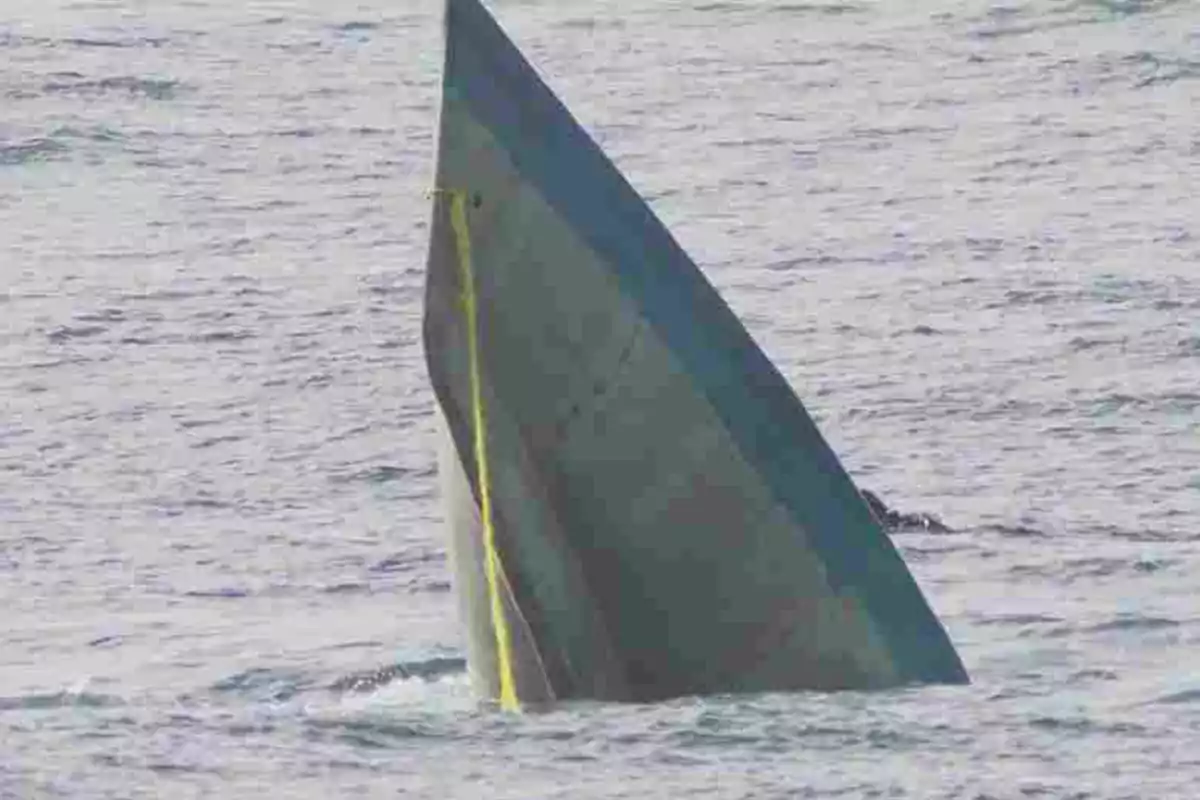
(639, 506)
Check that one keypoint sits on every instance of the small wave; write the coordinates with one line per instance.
(796, 9)
(1022, 620)
(204, 502)
(152, 88)
(235, 335)
(295, 133)
(1146, 534)
(30, 151)
(1188, 696)
(1083, 725)
(381, 474)
(213, 441)
(107, 641)
(1163, 71)
(1099, 567)
(166, 294)
(357, 26)
(1081, 344)
(404, 562)
(591, 24)
(65, 333)
(262, 683)
(348, 587)
(1018, 531)
(225, 593)
(818, 9)
(99, 42)
(1125, 8)
(104, 315)
(1089, 675)
(66, 699)
(373, 733)
(1133, 622)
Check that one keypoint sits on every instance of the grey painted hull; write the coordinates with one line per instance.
(665, 517)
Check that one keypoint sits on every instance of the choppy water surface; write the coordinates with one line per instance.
(966, 231)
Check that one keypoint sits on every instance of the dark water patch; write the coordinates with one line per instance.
(156, 295)
(1185, 697)
(44, 702)
(179, 768)
(324, 313)
(30, 151)
(694, 739)
(1020, 620)
(257, 727)
(367, 130)
(215, 314)
(263, 684)
(65, 333)
(1126, 8)
(349, 587)
(398, 290)
(98, 133)
(788, 9)
(1017, 298)
(380, 474)
(591, 24)
(817, 9)
(234, 335)
(1101, 567)
(320, 380)
(1010, 30)
(87, 42)
(107, 641)
(225, 593)
(143, 340)
(149, 88)
(366, 643)
(1146, 534)
(1018, 531)
(204, 444)
(104, 315)
(357, 26)
(1133, 622)
(717, 8)
(406, 562)
(1157, 70)
(1092, 675)
(189, 424)
(376, 734)
(350, 433)
(1081, 344)
(1084, 725)
(295, 133)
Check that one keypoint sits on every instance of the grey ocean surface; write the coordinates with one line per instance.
(966, 231)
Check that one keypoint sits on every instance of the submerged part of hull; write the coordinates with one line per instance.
(665, 516)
